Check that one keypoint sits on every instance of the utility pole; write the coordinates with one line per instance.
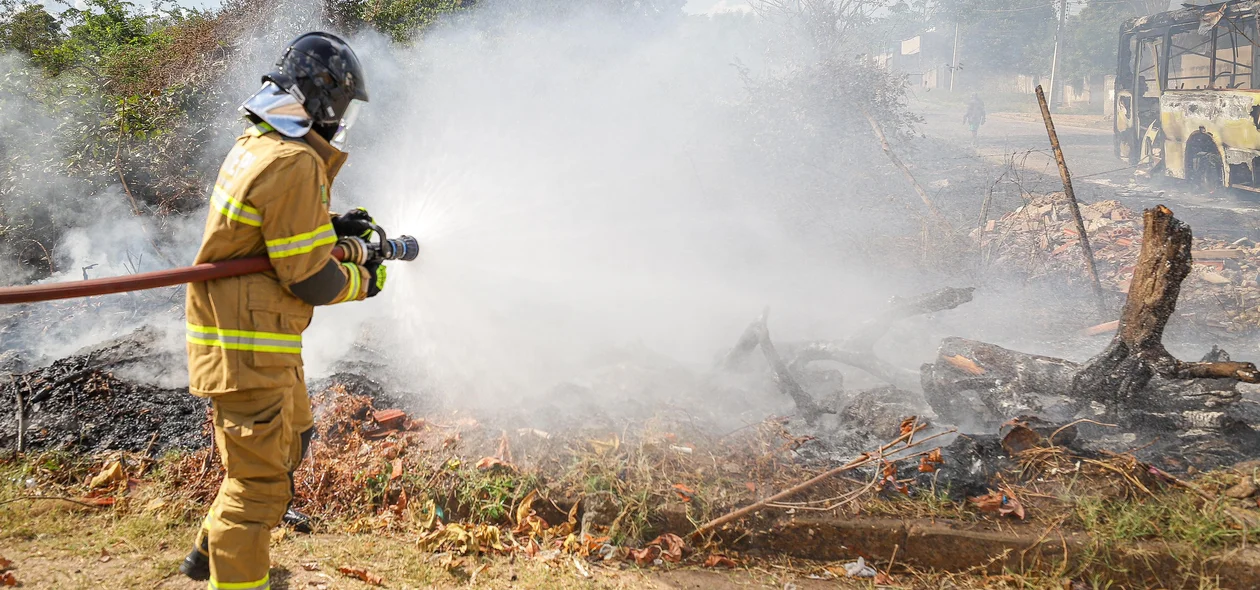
(953, 64)
(1058, 51)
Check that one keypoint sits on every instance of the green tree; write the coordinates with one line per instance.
(28, 29)
(1002, 36)
(1092, 36)
(399, 19)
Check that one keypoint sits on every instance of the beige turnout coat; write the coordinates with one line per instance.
(270, 198)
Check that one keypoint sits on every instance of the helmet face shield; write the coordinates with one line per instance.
(347, 121)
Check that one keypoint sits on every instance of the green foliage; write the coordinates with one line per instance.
(487, 496)
(1092, 38)
(28, 29)
(1003, 36)
(399, 19)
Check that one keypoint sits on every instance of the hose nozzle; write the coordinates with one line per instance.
(401, 248)
(405, 248)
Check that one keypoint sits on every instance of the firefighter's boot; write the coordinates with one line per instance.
(197, 565)
(298, 521)
(301, 406)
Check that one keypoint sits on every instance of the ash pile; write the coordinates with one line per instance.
(128, 393)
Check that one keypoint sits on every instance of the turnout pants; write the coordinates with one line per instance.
(258, 433)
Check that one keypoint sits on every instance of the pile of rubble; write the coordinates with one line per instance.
(1039, 241)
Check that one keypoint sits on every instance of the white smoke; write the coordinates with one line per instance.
(581, 184)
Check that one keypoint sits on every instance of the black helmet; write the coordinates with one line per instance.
(322, 72)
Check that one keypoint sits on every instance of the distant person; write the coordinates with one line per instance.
(975, 116)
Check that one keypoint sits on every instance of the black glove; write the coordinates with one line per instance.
(376, 278)
(354, 223)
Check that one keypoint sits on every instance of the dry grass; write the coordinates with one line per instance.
(414, 506)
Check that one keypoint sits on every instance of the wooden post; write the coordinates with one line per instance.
(1071, 198)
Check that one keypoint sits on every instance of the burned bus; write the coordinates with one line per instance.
(1187, 97)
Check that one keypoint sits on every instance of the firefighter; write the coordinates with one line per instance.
(245, 333)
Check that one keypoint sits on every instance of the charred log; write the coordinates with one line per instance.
(974, 381)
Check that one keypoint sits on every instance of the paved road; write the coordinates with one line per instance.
(1096, 172)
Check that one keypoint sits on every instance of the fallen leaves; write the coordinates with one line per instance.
(909, 424)
(489, 463)
(7, 578)
(716, 560)
(668, 548)
(112, 472)
(1004, 503)
(362, 574)
(965, 364)
(462, 539)
(929, 462)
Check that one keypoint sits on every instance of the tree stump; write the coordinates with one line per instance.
(1122, 374)
(1135, 381)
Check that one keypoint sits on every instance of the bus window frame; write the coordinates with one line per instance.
(1172, 47)
(1160, 63)
(1231, 26)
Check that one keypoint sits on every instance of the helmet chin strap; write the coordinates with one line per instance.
(328, 132)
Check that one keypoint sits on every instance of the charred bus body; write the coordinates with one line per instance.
(1187, 94)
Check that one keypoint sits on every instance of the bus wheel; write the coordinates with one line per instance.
(1207, 171)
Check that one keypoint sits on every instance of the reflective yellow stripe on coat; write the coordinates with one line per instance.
(356, 282)
(231, 208)
(263, 584)
(245, 340)
(302, 243)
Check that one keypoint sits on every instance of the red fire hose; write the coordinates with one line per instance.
(146, 280)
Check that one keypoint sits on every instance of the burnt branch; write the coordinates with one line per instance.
(758, 334)
(747, 342)
(865, 360)
(901, 308)
(805, 404)
(858, 350)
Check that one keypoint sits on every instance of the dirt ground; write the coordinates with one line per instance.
(63, 548)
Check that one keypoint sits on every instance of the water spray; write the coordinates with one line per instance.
(405, 248)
